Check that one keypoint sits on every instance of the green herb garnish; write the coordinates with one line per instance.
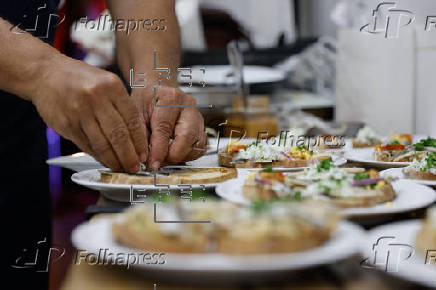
(430, 160)
(395, 142)
(259, 206)
(361, 176)
(268, 168)
(429, 142)
(325, 165)
(302, 147)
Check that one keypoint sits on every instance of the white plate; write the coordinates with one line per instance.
(208, 161)
(81, 161)
(96, 234)
(76, 162)
(366, 157)
(90, 179)
(398, 173)
(403, 233)
(218, 75)
(410, 196)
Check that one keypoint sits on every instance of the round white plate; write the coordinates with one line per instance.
(398, 239)
(366, 157)
(90, 179)
(209, 161)
(219, 75)
(410, 196)
(77, 162)
(96, 234)
(398, 173)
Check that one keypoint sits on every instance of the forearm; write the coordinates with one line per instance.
(135, 50)
(24, 59)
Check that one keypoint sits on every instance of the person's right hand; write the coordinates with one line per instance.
(91, 107)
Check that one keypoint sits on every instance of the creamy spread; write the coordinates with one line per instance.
(421, 165)
(367, 135)
(261, 152)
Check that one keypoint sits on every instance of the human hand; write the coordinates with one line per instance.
(91, 107)
(184, 124)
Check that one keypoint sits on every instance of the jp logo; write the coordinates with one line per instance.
(388, 21)
(388, 254)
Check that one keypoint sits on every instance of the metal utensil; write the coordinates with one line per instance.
(236, 60)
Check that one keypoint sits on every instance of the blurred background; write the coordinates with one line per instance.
(302, 66)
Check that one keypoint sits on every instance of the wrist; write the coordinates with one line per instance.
(42, 74)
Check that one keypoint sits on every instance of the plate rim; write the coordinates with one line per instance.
(345, 232)
(352, 212)
(412, 226)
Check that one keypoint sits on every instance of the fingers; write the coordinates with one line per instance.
(100, 145)
(135, 124)
(188, 131)
(162, 123)
(118, 135)
(199, 149)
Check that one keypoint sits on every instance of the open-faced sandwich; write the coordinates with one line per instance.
(345, 187)
(394, 151)
(259, 229)
(260, 155)
(171, 176)
(426, 238)
(366, 137)
(424, 169)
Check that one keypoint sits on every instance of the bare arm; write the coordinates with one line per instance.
(87, 105)
(135, 51)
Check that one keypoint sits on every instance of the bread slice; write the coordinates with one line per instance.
(426, 238)
(226, 160)
(380, 195)
(359, 144)
(179, 176)
(307, 236)
(125, 235)
(422, 175)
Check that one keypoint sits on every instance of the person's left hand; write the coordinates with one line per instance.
(185, 125)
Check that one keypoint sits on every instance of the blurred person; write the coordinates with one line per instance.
(86, 105)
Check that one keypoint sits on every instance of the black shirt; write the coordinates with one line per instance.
(25, 214)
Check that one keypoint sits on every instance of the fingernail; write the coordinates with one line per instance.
(143, 157)
(156, 164)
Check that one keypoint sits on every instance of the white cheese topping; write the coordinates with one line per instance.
(261, 152)
(367, 135)
(420, 165)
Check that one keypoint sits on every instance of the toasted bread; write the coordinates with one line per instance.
(359, 144)
(180, 176)
(381, 195)
(422, 175)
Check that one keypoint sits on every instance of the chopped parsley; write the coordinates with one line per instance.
(395, 142)
(430, 161)
(302, 147)
(292, 197)
(268, 168)
(325, 165)
(325, 188)
(429, 142)
(259, 206)
(361, 176)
